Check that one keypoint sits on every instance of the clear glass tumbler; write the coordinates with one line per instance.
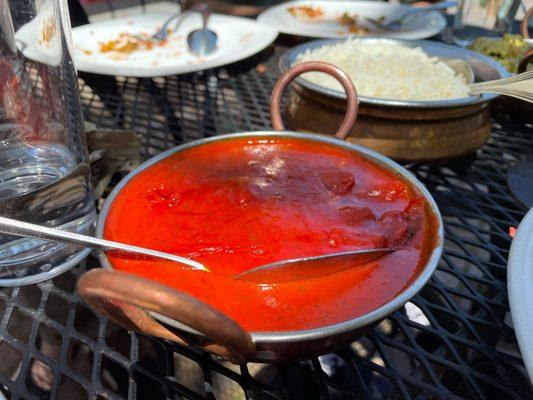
(44, 169)
(475, 18)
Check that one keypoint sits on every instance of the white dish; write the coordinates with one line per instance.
(40, 39)
(520, 288)
(419, 26)
(238, 38)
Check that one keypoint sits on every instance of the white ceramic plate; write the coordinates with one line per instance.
(40, 39)
(520, 288)
(238, 38)
(419, 26)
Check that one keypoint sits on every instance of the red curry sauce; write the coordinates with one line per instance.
(240, 203)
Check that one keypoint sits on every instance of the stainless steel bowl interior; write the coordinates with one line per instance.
(485, 68)
(317, 333)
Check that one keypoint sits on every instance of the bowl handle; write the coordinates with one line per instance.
(528, 57)
(330, 69)
(525, 23)
(125, 299)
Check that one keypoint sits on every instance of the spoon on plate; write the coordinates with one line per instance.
(20, 228)
(519, 86)
(200, 41)
(394, 23)
(311, 267)
(203, 41)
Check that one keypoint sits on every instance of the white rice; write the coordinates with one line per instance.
(387, 70)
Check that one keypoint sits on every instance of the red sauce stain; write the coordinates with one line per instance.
(240, 203)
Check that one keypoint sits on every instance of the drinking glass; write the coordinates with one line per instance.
(44, 169)
(475, 18)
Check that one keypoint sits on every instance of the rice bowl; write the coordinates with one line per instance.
(387, 70)
(405, 130)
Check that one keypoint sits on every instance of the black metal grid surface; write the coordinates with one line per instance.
(452, 341)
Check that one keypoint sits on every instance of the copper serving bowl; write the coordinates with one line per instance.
(403, 130)
(154, 309)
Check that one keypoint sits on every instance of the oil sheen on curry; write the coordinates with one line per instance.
(240, 203)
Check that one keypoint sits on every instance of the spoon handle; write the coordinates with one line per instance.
(204, 10)
(519, 86)
(20, 228)
(525, 76)
(295, 269)
(511, 92)
(441, 5)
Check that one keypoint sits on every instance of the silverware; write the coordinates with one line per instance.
(310, 267)
(20, 228)
(519, 86)
(162, 33)
(202, 41)
(394, 23)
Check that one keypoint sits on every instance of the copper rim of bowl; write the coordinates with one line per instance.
(445, 50)
(329, 330)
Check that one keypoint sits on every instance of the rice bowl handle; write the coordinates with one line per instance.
(526, 59)
(288, 76)
(127, 299)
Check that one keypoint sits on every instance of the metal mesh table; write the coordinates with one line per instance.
(454, 340)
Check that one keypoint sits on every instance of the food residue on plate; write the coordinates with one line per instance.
(48, 31)
(317, 14)
(137, 46)
(353, 25)
(245, 37)
(306, 12)
(127, 43)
